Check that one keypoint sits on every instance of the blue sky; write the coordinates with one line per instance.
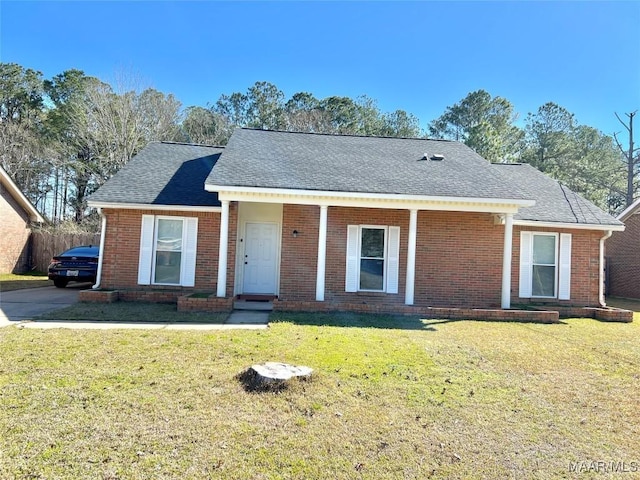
(417, 56)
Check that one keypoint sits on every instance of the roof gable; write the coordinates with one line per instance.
(630, 210)
(19, 197)
(163, 173)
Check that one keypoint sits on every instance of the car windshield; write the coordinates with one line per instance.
(81, 252)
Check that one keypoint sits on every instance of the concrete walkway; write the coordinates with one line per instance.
(248, 317)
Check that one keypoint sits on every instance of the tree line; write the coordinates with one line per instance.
(63, 137)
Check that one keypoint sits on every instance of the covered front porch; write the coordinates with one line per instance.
(320, 250)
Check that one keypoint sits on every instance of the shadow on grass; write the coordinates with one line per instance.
(358, 320)
(386, 321)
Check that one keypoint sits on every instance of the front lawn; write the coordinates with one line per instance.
(130, 312)
(12, 281)
(432, 399)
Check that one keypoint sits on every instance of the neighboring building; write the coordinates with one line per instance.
(623, 256)
(17, 214)
(347, 222)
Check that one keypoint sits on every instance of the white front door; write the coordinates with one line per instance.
(260, 258)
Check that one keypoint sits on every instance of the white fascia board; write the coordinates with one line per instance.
(369, 200)
(630, 210)
(20, 197)
(146, 206)
(572, 226)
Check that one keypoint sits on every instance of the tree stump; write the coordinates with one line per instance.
(272, 376)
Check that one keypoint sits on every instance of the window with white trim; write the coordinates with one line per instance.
(372, 258)
(167, 250)
(545, 265)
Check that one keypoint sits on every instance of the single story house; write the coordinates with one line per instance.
(17, 214)
(623, 255)
(338, 222)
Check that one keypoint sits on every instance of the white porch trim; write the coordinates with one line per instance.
(506, 260)
(576, 226)
(369, 200)
(322, 253)
(148, 206)
(222, 252)
(411, 257)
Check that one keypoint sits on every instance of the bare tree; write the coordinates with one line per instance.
(631, 156)
(110, 128)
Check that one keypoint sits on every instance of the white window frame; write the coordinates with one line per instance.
(155, 249)
(556, 266)
(384, 258)
(562, 259)
(148, 250)
(391, 260)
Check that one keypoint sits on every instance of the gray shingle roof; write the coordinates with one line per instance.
(554, 201)
(163, 174)
(175, 174)
(306, 161)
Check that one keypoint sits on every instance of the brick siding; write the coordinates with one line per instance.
(585, 268)
(458, 259)
(122, 250)
(623, 260)
(14, 240)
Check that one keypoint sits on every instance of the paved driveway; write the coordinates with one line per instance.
(20, 305)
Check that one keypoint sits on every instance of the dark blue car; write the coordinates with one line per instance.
(78, 264)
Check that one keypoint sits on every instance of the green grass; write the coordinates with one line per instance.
(130, 312)
(12, 281)
(390, 398)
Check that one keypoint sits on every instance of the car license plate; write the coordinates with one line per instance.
(72, 273)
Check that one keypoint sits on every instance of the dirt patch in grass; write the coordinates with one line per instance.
(10, 281)
(453, 400)
(131, 312)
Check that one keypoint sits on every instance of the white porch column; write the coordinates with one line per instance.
(506, 260)
(411, 257)
(222, 251)
(322, 253)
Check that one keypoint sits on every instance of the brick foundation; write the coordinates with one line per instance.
(534, 316)
(189, 303)
(98, 296)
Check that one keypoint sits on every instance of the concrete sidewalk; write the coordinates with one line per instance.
(135, 326)
(238, 320)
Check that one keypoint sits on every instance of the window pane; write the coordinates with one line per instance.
(169, 235)
(371, 274)
(372, 243)
(544, 249)
(167, 267)
(544, 281)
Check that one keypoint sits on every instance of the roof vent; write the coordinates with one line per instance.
(437, 157)
(424, 157)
